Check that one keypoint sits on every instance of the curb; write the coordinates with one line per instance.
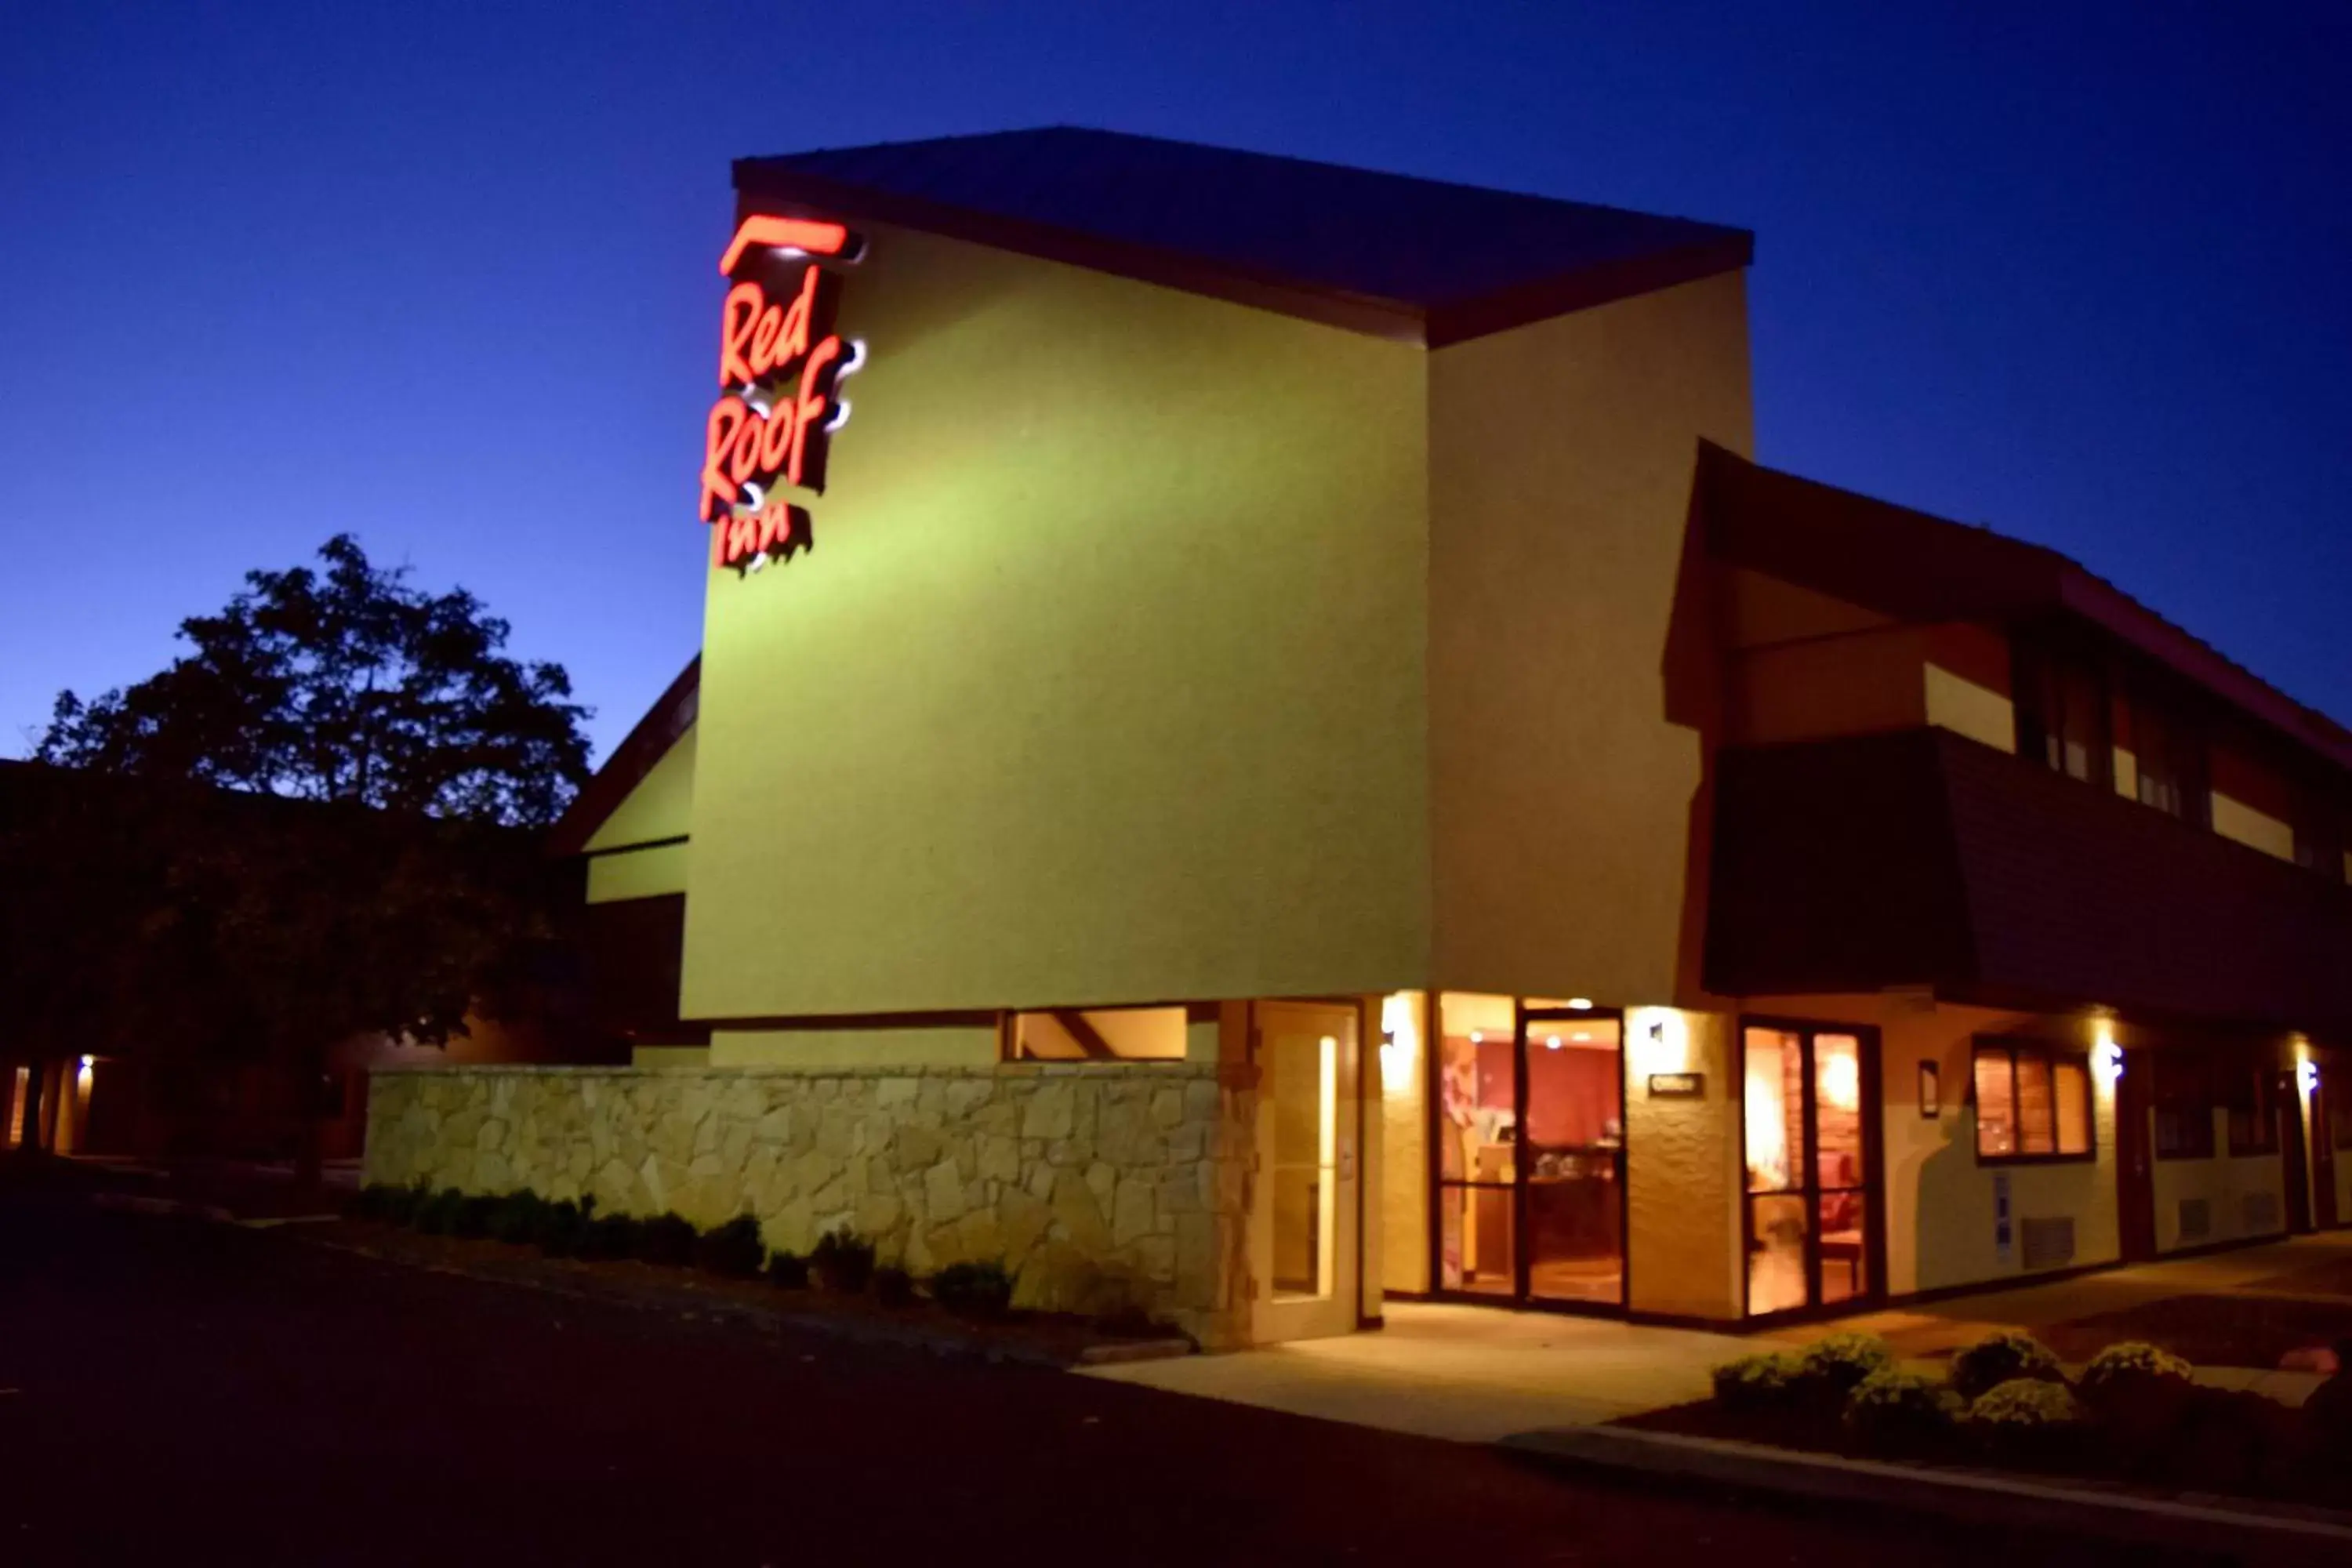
(2266, 1534)
(858, 1330)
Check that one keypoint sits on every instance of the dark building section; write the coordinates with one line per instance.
(1927, 860)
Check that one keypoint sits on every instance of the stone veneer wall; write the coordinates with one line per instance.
(1093, 1184)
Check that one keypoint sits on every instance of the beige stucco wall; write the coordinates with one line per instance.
(1102, 681)
(2255, 829)
(662, 804)
(1400, 1211)
(1560, 481)
(633, 855)
(1939, 1200)
(2225, 1182)
(1681, 1159)
(637, 873)
(1959, 704)
(1092, 1185)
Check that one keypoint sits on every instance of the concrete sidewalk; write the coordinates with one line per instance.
(1479, 1374)
(1473, 1374)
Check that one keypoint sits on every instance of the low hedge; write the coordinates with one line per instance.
(841, 1261)
(2135, 1413)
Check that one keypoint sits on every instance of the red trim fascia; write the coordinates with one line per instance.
(2102, 604)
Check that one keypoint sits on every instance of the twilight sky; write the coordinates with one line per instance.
(441, 274)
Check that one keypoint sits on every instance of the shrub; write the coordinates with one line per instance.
(516, 1217)
(2234, 1440)
(438, 1214)
(2027, 1419)
(611, 1235)
(842, 1260)
(666, 1238)
(1898, 1412)
(1761, 1382)
(563, 1227)
(894, 1287)
(788, 1270)
(473, 1214)
(2136, 1389)
(973, 1290)
(733, 1248)
(2002, 1358)
(2329, 1410)
(1837, 1363)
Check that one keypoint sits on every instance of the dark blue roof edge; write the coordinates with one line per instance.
(772, 180)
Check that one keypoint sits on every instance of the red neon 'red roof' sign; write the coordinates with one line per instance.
(781, 363)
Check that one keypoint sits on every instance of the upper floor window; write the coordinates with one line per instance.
(2062, 712)
(2170, 751)
(2319, 837)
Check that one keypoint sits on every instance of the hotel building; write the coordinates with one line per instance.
(1281, 753)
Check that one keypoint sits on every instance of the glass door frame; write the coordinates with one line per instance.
(1519, 1297)
(1874, 1182)
(1336, 1308)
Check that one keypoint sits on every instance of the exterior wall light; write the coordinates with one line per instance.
(1657, 1041)
(2110, 1059)
(1400, 1044)
(2307, 1073)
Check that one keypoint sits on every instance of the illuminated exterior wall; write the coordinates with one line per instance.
(1681, 1159)
(1560, 462)
(1939, 1200)
(2244, 1195)
(1102, 682)
(1403, 1207)
(635, 854)
(1806, 666)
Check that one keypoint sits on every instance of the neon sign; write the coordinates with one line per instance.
(781, 364)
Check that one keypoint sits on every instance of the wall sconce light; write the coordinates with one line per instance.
(1400, 1044)
(2110, 1060)
(2307, 1073)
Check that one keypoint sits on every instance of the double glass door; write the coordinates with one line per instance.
(1532, 1156)
(1813, 1221)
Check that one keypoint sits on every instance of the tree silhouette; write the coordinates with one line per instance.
(317, 823)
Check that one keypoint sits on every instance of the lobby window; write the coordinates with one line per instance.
(2247, 1095)
(2062, 712)
(1098, 1034)
(2032, 1104)
(2171, 754)
(2181, 1086)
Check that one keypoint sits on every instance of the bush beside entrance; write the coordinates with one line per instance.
(2135, 1414)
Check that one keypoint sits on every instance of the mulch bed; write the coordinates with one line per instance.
(1038, 1338)
(2210, 1331)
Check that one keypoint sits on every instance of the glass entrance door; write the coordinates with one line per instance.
(1572, 1150)
(1530, 1168)
(1813, 1221)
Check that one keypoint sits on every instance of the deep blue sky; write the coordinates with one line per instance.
(440, 273)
